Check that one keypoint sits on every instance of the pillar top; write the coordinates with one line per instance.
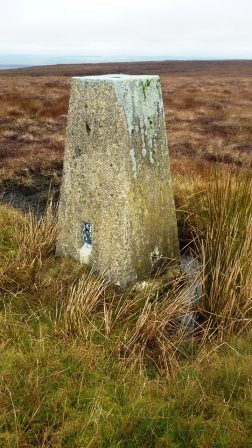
(117, 77)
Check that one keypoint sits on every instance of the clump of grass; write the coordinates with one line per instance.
(34, 241)
(225, 248)
(81, 302)
(156, 335)
(142, 325)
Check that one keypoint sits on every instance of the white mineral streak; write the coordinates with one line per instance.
(155, 255)
(141, 101)
(134, 162)
(85, 253)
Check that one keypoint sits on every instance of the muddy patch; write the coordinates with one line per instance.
(28, 199)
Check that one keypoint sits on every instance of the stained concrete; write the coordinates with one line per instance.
(117, 178)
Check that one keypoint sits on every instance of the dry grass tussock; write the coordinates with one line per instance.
(157, 336)
(215, 217)
(147, 322)
(32, 240)
(81, 303)
(224, 243)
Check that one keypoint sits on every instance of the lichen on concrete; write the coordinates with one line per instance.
(141, 101)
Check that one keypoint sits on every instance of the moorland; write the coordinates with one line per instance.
(84, 364)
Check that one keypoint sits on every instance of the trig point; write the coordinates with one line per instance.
(116, 209)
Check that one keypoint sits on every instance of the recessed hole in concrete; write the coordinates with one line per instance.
(86, 250)
(86, 229)
(88, 128)
(77, 152)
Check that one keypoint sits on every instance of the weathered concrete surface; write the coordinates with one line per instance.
(117, 178)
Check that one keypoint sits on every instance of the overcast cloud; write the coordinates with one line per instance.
(172, 28)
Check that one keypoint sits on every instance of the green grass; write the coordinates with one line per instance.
(61, 392)
(82, 365)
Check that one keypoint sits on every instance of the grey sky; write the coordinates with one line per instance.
(174, 28)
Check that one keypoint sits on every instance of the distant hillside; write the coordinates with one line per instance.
(11, 66)
(189, 68)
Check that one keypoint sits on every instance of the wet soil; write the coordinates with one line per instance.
(28, 198)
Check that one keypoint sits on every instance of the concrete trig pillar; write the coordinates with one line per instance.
(117, 209)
